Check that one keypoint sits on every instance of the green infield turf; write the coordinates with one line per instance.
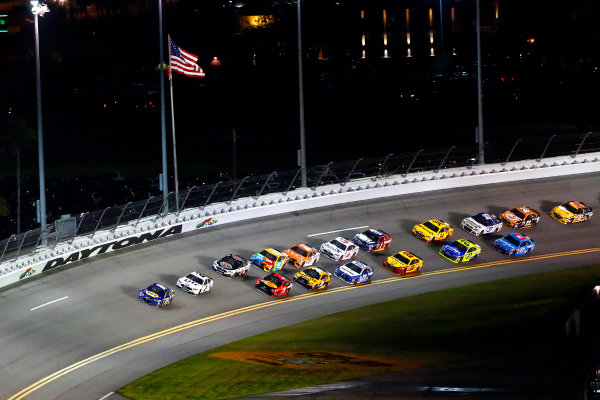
(434, 328)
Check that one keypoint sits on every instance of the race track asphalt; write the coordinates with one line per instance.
(98, 308)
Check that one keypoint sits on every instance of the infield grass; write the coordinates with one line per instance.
(441, 327)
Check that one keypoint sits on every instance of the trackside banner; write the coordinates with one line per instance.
(111, 246)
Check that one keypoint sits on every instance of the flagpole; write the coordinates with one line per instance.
(165, 178)
(173, 130)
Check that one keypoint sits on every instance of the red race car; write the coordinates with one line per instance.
(274, 285)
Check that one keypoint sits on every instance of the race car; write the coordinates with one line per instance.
(313, 278)
(302, 255)
(269, 259)
(434, 229)
(156, 295)
(232, 265)
(514, 244)
(403, 262)
(372, 240)
(481, 224)
(572, 212)
(339, 249)
(460, 250)
(354, 272)
(274, 285)
(195, 283)
(520, 217)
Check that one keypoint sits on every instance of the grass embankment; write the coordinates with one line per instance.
(441, 327)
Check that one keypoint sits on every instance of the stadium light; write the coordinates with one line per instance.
(40, 9)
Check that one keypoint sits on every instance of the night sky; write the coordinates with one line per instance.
(101, 98)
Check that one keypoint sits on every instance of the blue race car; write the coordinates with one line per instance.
(514, 244)
(372, 240)
(354, 272)
(156, 295)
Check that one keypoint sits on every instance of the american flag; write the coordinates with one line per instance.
(184, 62)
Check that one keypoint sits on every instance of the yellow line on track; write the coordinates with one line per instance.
(44, 381)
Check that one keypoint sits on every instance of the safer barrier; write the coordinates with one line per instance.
(149, 228)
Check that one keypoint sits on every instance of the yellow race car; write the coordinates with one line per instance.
(572, 212)
(403, 262)
(313, 278)
(434, 229)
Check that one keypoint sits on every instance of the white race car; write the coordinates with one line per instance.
(339, 249)
(481, 224)
(195, 283)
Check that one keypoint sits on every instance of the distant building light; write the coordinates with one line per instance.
(385, 39)
(431, 52)
(454, 51)
(362, 14)
(364, 40)
(385, 54)
(430, 17)
(408, 38)
(408, 52)
(431, 37)
(364, 54)
(531, 40)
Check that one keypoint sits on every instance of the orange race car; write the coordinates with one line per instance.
(520, 217)
(302, 255)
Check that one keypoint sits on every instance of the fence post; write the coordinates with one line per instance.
(78, 226)
(511, 150)
(164, 208)
(412, 162)
(546, 148)
(211, 193)
(292, 182)
(6, 246)
(580, 145)
(98, 223)
(351, 171)
(120, 216)
(382, 166)
(238, 188)
(322, 175)
(21, 245)
(142, 213)
(265, 184)
(444, 159)
(186, 197)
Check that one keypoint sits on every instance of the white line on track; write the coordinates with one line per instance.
(106, 396)
(339, 230)
(50, 302)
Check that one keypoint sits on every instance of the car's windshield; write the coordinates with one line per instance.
(431, 226)
(234, 261)
(155, 289)
(371, 235)
(195, 278)
(402, 258)
(573, 209)
(268, 255)
(354, 267)
(338, 244)
(300, 251)
(481, 218)
(512, 240)
(459, 246)
(518, 213)
(273, 278)
(312, 273)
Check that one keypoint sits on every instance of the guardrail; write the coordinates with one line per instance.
(251, 197)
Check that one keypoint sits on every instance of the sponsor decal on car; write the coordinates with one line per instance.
(27, 273)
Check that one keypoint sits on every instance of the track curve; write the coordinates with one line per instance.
(86, 322)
